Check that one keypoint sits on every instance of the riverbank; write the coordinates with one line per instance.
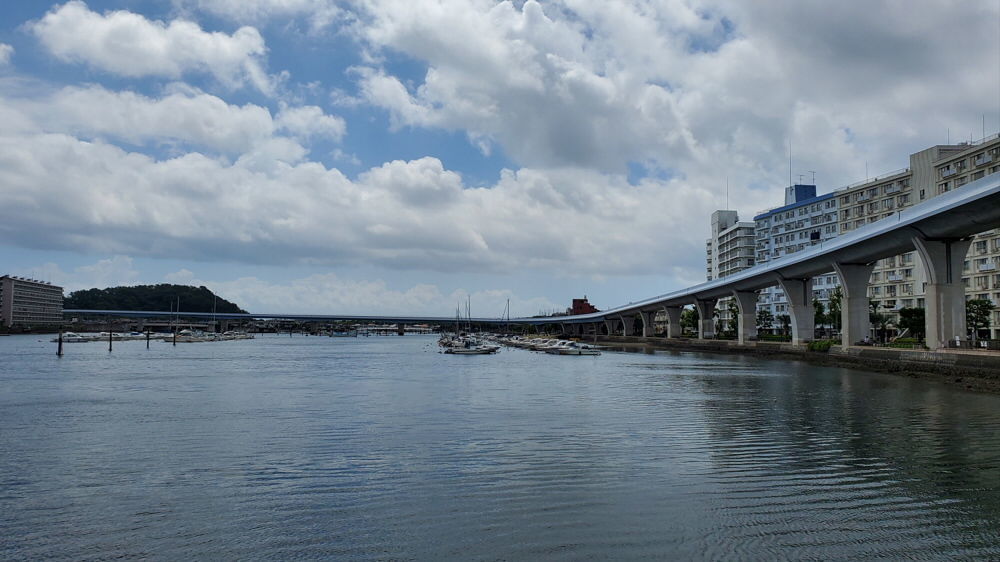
(972, 370)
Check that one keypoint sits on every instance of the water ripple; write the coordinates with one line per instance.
(379, 448)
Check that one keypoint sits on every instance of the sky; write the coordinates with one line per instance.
(399, 156)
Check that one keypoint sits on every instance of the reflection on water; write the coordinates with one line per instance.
(384, 448)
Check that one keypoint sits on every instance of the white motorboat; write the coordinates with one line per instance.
(73, 337)
(572, 348)
(470, 350)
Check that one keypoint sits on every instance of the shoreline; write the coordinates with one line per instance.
(972, 370)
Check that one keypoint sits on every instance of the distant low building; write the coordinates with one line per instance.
(581, 306)
(28, 302)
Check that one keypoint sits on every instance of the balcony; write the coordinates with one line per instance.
(983, 159)
(947, 173)
(987, 267)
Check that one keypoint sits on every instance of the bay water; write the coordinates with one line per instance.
(383, 448)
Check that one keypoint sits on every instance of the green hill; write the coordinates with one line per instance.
(150, 297)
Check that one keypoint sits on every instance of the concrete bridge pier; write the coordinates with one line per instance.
(799, 294)
(647, 322)
(610, 325)
(746, 302)
(674, 329)
(945, 293)
(627, 327)
(855, 322)
(706, 323)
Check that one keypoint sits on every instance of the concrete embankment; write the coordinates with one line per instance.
(973, 370)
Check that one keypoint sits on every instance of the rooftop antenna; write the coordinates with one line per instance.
(949, 135)
(800, 178)
(866, 170)
(813, 172)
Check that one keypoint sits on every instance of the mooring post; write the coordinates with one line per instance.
(175, 336)
(110, 335)
(59, 351)
(147, 338)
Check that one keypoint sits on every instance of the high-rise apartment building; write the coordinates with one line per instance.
(899, 281)
(729, 250)
(27, 302)
(803, 221)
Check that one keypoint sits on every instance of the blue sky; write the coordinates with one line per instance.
(392, 156)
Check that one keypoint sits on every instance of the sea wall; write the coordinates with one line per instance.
(974, 370)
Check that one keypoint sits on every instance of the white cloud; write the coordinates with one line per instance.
(6, 52)
(328, 293)
(128, 44)
(111, 272)
(697, 91)
(185, 116)
(707, 89)
(307, 121)
(273, 207)
(320, 13)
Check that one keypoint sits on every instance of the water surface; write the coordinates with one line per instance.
(382, 448)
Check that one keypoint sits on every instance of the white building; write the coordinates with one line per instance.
(729, 250)
(803, 221)
(897, 282)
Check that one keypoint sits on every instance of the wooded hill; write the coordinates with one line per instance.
(150, 297)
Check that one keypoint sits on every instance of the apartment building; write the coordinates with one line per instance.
(729, 250)
(981, 273)
(731, 247)
(803, 221)
(28, 302)
(898, 282)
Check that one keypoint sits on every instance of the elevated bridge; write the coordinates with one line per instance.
(940, 230)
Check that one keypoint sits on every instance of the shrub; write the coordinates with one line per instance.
(907, 343)
(773, 337)
(820, 345)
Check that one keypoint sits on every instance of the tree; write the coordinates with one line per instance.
(977, 315)
(878, 320)
(765, 320)
(151, 297)
(786, 323)
(689, 319)
(913, 319)
(819, 313)
(734, 316)
(836, 302)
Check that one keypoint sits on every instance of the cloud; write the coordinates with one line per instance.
(274, 207)
(128, 44)
(188, 118)
(688, 95)
(701, 89)
(111, 272)
(308, 121)
(320, 13)
(327, 293)
(6, 52)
